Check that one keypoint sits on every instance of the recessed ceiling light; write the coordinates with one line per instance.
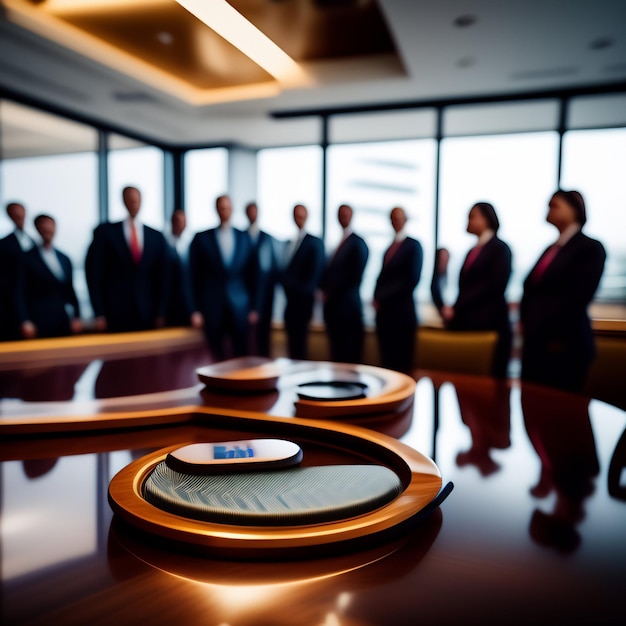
(463, 21)
(601, 43)
(466, 62)
(167, 39)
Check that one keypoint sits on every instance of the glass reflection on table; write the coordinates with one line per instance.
(533, 531)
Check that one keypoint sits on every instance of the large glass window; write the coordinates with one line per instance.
(50, 166)
(373, 178)
(594, 162)
(286, 177)
(517, 174)
(206, 178)
(137, 165)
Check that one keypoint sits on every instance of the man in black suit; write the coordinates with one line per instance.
(49, 306)
(341, 285)
(179, 304)
(12, 249)
(127, 270)
(265, 249)
(396, 317)
(300, 278)
(223, 281)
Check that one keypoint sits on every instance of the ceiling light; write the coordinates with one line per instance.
(167, 39)
(601, 43)
(219, 16)
(463, 21)
(466, 62)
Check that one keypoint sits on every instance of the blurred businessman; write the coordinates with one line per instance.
(341, 285)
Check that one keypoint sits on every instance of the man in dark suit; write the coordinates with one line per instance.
(558, 340)
(341, 285)
(127, 270)
(179, 304)
(300, 278)
(12, 249)
(396, 317)
(49, 306)
(265, 249)
(223, 281)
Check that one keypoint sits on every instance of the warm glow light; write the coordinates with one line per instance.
(219, 16)
(48, 24)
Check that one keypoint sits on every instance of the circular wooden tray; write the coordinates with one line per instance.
(419, 477)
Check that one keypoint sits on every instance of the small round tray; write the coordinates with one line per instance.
(332, 390)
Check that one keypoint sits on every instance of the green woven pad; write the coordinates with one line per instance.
(303, 495)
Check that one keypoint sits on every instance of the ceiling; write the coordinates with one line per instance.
(150, 68)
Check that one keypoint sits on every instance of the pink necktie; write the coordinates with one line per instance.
(135, 249)
(471, 257)
(544, 261)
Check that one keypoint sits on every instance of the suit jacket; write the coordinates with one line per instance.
(219, 290)
(553, 309)
(47, 297)
(179, 306)
(397, 281)
(481, 303)
(130, 296)
(302, 274)
(265, 252)
(341, 280)
(11, 262)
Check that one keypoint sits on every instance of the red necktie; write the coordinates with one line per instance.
(544, 261)
(135, 249)
(391, 250)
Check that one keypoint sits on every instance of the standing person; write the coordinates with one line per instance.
(12, 249)
(341, 285)
(179, 302)
(265, 250)
(440, 278)
(49, 306)
(558, 341)
(127, 269)
(223, 275)
(396, 317)
(300, 279)
(481, 302)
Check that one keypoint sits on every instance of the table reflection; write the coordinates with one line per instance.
(486, 411)
(107, 378)
(534, 526)
(559, 428)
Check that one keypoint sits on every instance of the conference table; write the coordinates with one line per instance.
(532, 531)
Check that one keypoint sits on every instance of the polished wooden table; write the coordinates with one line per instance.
(533, 532)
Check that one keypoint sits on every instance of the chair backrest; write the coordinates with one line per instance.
(463, 352)
(606, 379)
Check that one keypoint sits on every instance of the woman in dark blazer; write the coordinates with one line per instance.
(481, 302)
(558, 342)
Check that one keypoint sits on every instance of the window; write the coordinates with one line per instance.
(50, 166)
(373, 178)
(134, 164)
(286, 177)
(517, 174)
(206, 178)
(594, 162)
